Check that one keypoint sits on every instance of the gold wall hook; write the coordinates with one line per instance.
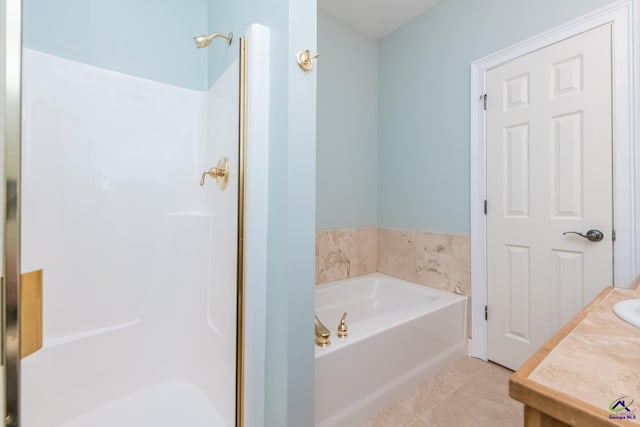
(220, 173)
(305, 60)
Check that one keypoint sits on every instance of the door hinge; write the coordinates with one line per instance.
(486, 312)
(485, 207)
(484, 100)
(613, 235)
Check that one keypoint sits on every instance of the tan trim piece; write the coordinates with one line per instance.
(240, 308)
(636, 283)
(30, 313)
(555, 404)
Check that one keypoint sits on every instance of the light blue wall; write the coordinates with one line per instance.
(146, 38)
(236, 17)
(291, 228)
(424, 102)
(301, 220)
(347, 154)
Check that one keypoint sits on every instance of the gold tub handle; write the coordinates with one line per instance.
(342, 327)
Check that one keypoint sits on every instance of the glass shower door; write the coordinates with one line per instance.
(138, 259)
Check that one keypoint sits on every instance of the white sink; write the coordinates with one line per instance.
(629, 311)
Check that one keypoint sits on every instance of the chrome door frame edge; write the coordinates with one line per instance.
(10, 87)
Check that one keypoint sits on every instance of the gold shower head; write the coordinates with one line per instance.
(205, 40)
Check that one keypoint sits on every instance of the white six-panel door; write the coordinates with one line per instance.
(549, 171)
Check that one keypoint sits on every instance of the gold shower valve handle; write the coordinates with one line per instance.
(305, 60)
(220, 173)
(342, 327)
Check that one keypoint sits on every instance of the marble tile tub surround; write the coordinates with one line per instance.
(438, 260)
(343, 253)
(441, 261)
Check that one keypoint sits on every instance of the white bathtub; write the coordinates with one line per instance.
(400, 334)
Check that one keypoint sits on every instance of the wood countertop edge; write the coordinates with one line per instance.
(556, 404)
(565, 408)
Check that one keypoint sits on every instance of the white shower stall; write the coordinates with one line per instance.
(138, 259)
(136, 255)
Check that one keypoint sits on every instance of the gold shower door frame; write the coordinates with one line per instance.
(10, 139)
(240, 283)
(10, 126)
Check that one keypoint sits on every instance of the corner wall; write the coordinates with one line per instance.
(424, 149)
(347, 132)
(291, 201)
(143, 38)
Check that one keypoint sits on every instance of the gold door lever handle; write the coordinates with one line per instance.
(220, 173)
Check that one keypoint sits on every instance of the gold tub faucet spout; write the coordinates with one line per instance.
(322, 333)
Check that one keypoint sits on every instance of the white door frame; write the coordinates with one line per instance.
(623, 15)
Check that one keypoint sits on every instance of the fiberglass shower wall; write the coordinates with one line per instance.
(139, 260)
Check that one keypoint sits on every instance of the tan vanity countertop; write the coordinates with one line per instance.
(592, 361)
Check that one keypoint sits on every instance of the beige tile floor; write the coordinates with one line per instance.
(470, 393)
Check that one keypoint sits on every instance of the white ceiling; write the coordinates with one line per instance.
(375, 18)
